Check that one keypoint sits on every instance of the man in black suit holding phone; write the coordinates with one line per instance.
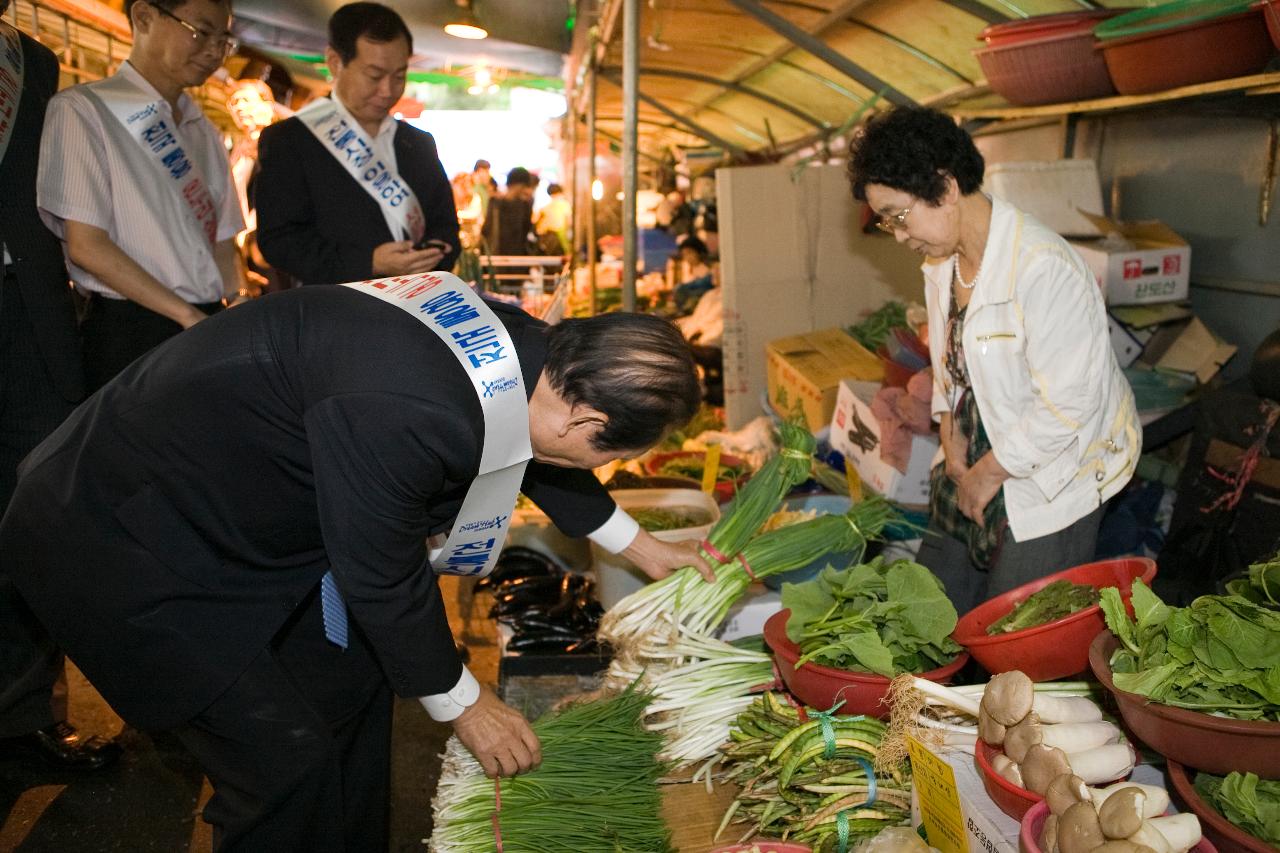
(346, 192)
(41, 380)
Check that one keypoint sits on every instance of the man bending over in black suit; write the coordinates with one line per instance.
(228, 539)
(345, 190)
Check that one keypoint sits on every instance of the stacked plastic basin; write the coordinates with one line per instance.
(1046, 59)
(1186, 42)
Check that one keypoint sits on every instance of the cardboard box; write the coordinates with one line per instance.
(987, 829)
(1053, 191)
(1150, 264)
(1125, 342)
(852, 418)
(805, 371)
(1187, 347)
(747, 616)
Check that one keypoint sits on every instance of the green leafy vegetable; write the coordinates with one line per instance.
(655, 518)
(1220, 655)
(1262, 586)
(874, 331)
(1058, 599)
(692, 466)
(886, 618)
(1248, 802)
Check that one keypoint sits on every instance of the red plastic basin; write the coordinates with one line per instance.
(765, 845)
(1217, 49)
(1012, 32)
(822, 687)
(724, 490)
(1217, 745)
(1271, 11)
(1011, 799)
(1033, 823)
(1226, 835)
(1055, 649)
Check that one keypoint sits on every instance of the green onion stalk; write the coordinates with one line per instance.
(596, 789)
(696, 700)
(758, 499)
(652, 624)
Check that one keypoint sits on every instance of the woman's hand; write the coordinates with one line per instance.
(657, 559)
(954, 448)
(979, 485)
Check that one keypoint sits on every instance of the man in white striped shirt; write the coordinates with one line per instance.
(135, 182)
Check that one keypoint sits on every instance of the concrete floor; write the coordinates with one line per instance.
(150, 802)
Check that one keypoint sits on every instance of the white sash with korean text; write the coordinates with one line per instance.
(148, 120)
(349, 146)
(10, 83)
(477, 338)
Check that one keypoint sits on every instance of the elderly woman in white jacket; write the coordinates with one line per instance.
(1037, 423)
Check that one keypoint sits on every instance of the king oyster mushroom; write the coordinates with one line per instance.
(1079, 830)
(1041, 766)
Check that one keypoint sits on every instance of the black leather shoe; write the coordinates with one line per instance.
(61, 746)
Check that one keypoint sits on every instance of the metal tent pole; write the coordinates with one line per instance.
(630, 131)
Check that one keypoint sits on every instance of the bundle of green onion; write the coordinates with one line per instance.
(654, 615)
(596, 789)
(694, 702)
(755, 502)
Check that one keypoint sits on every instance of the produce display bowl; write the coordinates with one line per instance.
(1046, 59)
(1163, 53)
(1055, 649)
(765, 845)
(1227, 836)
(822, 687)
(824, 505)
(1039, 26)
(1217, 745)
(1033, 823)
(1271, 12)
(1012, 799)
(724, 490)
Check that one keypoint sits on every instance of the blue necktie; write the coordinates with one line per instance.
(333, 611)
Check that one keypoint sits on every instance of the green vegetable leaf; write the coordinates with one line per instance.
(808, 602)
(1118, 619)
(926, 611)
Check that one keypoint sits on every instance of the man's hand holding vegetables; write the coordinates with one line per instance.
(498, 736)
(657, 559)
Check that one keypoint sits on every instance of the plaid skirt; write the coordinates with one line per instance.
(983, 540)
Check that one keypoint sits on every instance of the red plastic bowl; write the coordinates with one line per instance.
(1055, 649)
(1033, 822)
(765, 845)
(1013, 32)
(1217, 49)
(822, 687)
(1271, 11)
(1012, 800)
(724, 490)
(1217, 745)
(1222, 832)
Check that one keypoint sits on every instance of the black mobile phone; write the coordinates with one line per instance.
(431, 242)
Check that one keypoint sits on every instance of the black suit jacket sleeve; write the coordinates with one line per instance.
(420, 164)
(289, 231)
(575, 501)
(35, 252)
(376, 475)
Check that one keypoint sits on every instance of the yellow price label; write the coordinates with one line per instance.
(854, 480)
(935, 784)
(710, 467)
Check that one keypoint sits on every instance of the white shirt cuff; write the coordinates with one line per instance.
(444, 707)
(617, 533)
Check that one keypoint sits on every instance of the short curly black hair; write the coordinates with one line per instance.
(914, 149)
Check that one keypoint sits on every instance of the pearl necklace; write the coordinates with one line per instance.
(967, 285)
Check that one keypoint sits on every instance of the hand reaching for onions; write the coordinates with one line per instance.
(498, 736)
(657, 559)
